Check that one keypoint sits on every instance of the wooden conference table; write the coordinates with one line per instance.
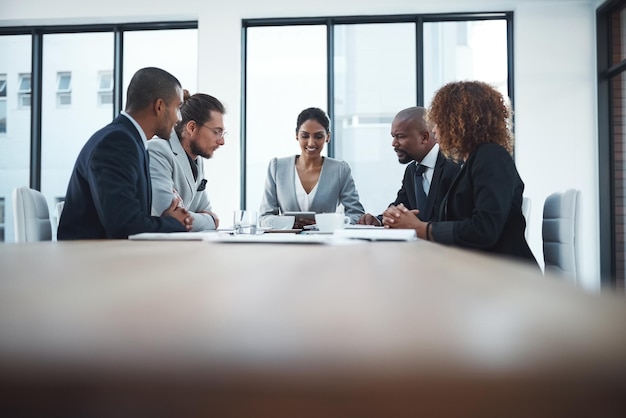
(123, 328)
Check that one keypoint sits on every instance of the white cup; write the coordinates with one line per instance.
(330, 222)
(281, 222)
(244, 222)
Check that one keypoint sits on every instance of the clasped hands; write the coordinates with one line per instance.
(402, 218)
(399, 217)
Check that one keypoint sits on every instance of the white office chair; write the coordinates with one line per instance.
(526, 213)
(560, 234)
(31, 219)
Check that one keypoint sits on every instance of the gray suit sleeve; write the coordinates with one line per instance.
(269, 204)
(161, 175)
(349, 196)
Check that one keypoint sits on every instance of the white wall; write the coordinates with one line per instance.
(555, 82)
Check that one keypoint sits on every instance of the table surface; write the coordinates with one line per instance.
(385, 323)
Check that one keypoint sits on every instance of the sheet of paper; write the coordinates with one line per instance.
(171, 236)
(377, 234)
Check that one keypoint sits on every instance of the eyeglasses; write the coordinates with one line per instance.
(219, 133)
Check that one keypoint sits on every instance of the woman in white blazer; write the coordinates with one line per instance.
(310, 182)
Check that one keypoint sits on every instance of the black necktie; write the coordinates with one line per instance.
(420, 196)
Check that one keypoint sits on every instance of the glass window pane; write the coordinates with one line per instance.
(65, 132)
(24, 83)
(3, 85)
(105, 81)
(374, 79)
(3, 116)
(471, 50)
(15, 140)
(146, 49)
(64, 81)
(286, 73)
(64, 99)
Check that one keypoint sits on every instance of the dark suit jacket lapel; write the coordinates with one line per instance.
(143, 152)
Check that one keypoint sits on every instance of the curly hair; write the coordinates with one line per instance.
(467, 114)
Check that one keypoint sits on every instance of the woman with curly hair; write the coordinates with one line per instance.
(483, 207)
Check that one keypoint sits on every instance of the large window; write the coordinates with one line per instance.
(374, 79)
(285, 74)
(612, 136)
(69, 114)
(465, 50)
(14, 124)
(71, 93)
(145, 49)
(362, 71)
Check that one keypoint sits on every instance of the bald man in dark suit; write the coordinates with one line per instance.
(414, 143)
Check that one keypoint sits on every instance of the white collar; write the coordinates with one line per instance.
(430, 160)
(144, 139)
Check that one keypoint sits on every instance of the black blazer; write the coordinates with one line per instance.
(109, 194)
(483, 208)
(445, 171)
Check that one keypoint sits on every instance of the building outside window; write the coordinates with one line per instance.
(64, 89)
(105, 88)
(23, 90)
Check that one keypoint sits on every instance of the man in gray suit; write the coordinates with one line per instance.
(176, 166)
(427, 180)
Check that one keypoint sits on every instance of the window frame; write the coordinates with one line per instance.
(37, 33)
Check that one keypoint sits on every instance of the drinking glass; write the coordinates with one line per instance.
(244, 221)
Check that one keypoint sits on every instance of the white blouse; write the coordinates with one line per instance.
(304, 199)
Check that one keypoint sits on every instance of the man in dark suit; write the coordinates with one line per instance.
(109, 194)
(425, 181)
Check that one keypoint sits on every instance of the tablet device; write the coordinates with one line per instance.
(301, 215)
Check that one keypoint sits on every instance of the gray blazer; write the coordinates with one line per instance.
(170, 169)
(335, 186)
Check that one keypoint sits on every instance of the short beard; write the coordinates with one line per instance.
(195, 150)
(406, 159)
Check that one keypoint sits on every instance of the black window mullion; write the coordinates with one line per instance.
(419, 61)
(330, 73)
(118, 64)
(35, 109)
(242, 126)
